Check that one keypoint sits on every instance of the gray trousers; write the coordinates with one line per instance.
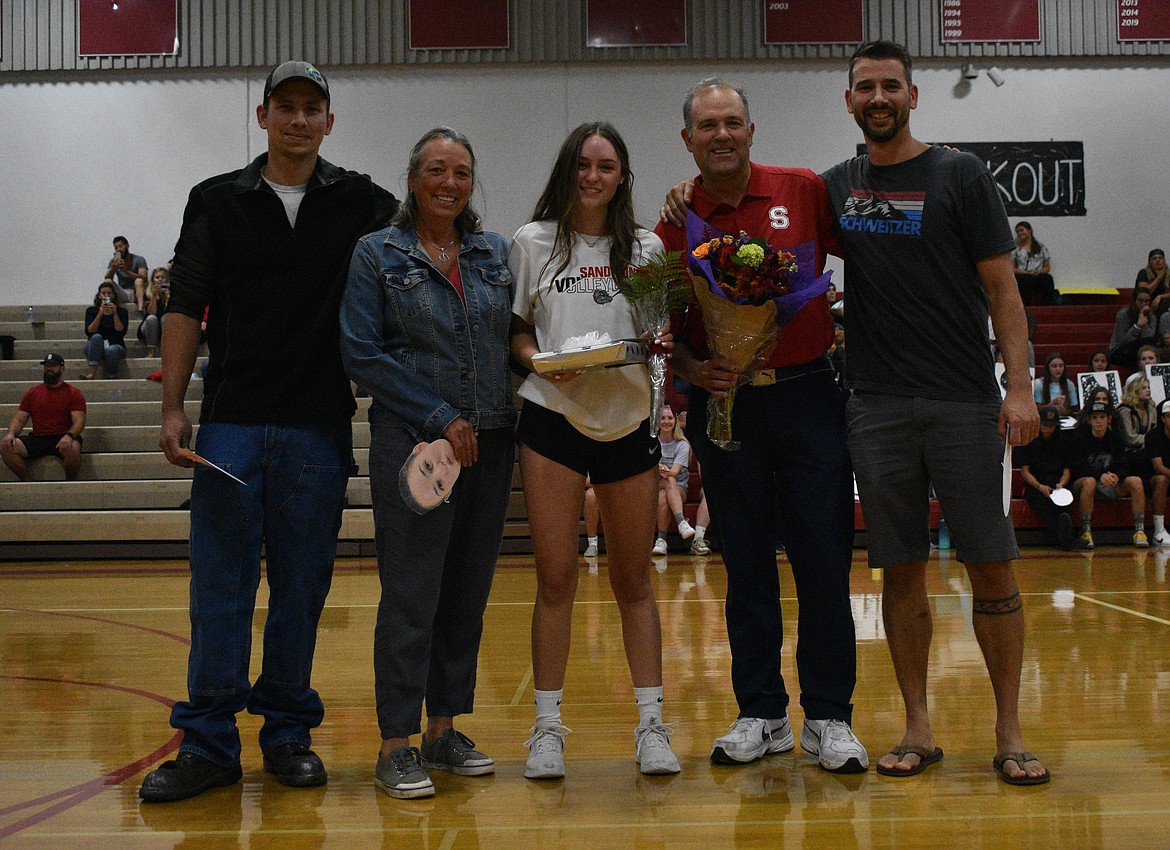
(436, 572)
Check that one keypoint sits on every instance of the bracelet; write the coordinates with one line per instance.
(71, 436)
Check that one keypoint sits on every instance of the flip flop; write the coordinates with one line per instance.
(925, 759)
(1018, 758)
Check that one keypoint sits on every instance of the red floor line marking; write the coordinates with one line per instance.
(69, 797)
(168, 635)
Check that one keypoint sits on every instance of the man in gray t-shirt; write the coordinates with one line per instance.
(927, 256)
(129, 272)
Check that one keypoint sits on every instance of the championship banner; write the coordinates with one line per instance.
(1035, 179)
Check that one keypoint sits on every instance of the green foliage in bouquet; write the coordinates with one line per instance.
(658, 288)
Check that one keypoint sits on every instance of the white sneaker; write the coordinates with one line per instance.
(836, 745)
(546, 752)
(659, 546)
(685, 531)
(699, 547)
(591, 550)
(652, 749)
(1162, 538)
(748, 739)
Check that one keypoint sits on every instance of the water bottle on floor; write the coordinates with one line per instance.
(944, 534)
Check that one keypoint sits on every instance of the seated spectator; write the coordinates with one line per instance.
(57, 411)
(1044, 466)
(837, 356)
(1153, 278)
(673, 472)
(158, 295)
(1158, 451)
(1033, 268)
(105, 329)
(699, 545)
(1055, 387)
(1099, 468)
(1146, 356)
(592, 520)
(1099, 361)
(1136, 326)
(1138, 415)
(128, 271)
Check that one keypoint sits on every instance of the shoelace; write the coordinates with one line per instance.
(545, 738)
(653, 735)
(459, 743)
(406, 759)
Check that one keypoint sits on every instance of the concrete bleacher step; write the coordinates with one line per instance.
(26, 332)
(99, 527)
(111, 439)
(133, 368)
(142, 466)
(122, 495)
(42, 312)
(112, 390)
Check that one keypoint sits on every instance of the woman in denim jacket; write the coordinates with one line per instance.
(424, 330)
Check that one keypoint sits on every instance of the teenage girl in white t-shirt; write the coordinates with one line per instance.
(596, 423)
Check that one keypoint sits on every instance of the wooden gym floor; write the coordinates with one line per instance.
(94, 654)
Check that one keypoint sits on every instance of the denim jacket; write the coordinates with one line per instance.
(410, 342)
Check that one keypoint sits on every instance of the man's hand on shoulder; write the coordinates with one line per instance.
(678, 201)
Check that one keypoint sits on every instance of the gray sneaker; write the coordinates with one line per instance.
(748, 739)
(456, 753)
(546, 752)
(833, 741)
(652, 749)
(401, 774)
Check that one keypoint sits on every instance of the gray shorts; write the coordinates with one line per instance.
(901, 446)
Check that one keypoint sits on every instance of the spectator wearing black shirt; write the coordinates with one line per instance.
(1044, 466)
(1100, 467)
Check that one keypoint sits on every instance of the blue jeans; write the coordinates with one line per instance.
(793, 459)
(296, 479)
(97, 350)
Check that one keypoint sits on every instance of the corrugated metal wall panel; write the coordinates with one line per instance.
(41, 35)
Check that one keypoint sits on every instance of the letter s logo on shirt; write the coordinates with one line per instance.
(779, 217)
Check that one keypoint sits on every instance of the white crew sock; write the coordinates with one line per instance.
(649, 705)
(548, 707)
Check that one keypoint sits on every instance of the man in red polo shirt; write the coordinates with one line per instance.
(790, 422)
(57, 410)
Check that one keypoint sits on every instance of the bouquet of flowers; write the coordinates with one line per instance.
(655, 290)
(747, 291)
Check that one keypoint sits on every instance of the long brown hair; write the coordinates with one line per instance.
(558, 202)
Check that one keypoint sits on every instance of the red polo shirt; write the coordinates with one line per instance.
(785, 206)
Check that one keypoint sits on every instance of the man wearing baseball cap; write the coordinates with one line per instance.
(264, 249)
(57, 411)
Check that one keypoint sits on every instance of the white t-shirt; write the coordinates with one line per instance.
(290, 196)
(603, 404)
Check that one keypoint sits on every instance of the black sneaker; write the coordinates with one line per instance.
(295, 765)
(456, 753)
(188, 775)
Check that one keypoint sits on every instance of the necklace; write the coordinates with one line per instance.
(592, 243)
(442, 249)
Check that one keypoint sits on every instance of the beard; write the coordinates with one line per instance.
(53, 379)
(901, 119)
